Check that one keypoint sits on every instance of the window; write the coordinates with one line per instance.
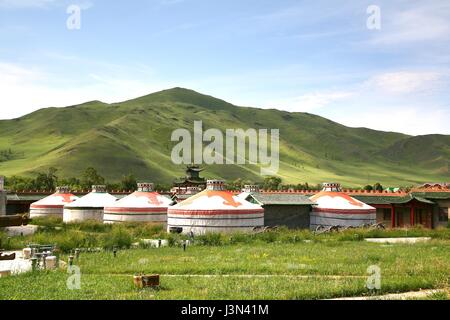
(443, 214)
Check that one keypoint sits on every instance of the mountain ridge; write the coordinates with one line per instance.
(133, 136)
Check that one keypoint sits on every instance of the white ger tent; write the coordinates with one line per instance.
(335, 208)
(214, 210)
(53, 205)
(144, 205)
(89, 207)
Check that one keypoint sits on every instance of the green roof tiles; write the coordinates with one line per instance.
(386, 199)
(281, 199)
(438, 195)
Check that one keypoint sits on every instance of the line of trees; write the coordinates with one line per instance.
(376, 187)
(276, 184)
(49, 180)
(272, 183)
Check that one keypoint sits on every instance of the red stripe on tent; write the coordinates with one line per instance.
(345, 211)
(47, 206)
(213, 212)
(151, 210)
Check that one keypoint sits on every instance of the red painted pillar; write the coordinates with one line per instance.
(411, 215)
(393, 215)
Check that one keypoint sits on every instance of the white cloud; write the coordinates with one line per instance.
(113, 89)
(25, 90)
(405, 82)
(424, 22)
(400, 101)
(413, 120)
(13, 74)
(310, 101)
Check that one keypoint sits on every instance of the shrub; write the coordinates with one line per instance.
(240, 237)
(48, 221)
(89, 226)
(66, 240)
(146, 230)
(267, 237)
(119, 237)
(210, 239)
(173, 239)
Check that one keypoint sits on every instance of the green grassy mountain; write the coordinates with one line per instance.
(134, 137)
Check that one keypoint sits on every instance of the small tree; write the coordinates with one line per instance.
(46, 181)
(368, 188)
(91, 177)
(272, 183)
(378, 187)
(128, 183)
(19, 183)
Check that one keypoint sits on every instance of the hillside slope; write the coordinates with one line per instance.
(134, 137)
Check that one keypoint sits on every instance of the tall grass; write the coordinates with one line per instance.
(86, 234)
(96, 234)
(119, 237)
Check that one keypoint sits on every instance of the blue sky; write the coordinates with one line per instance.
(301, 56)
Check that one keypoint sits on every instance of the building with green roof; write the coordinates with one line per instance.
(282, 208)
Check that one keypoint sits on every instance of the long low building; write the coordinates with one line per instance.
(281, 209)
(426, 207)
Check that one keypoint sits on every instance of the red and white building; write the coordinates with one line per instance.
(144, 205)
(214, 210)
(336, 208)
(53, 205)
(89, 207)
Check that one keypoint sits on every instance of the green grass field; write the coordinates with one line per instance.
(277, 265)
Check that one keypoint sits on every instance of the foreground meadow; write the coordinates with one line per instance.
(281, 264)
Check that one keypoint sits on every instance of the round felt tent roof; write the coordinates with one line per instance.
(215, 209)
(332, 198)
(59, 199)
(53, 204)
(142, 205)
(97, 198)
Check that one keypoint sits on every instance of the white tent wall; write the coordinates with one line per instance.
(89, 207)
(133, 216)
(82, 214)
(47, 212)
(328, 219)
(227, 222)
